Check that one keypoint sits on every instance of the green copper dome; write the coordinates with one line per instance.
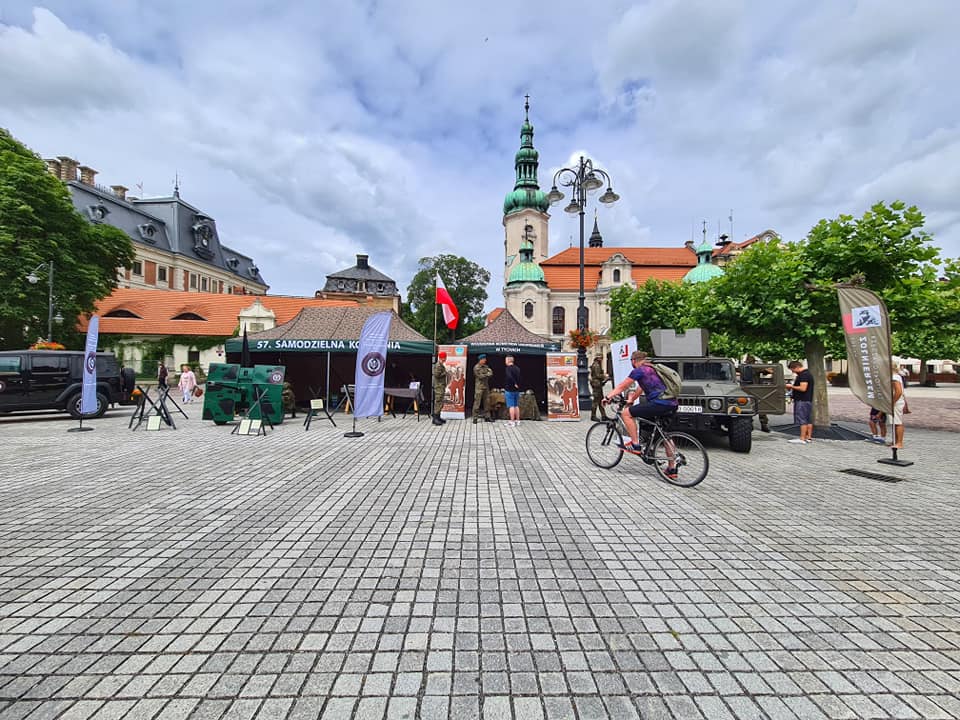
(526, 270)
(704, 270)
(526, 191)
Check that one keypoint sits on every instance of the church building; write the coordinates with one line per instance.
(542, 290)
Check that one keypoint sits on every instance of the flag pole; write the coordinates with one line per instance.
(435, 276)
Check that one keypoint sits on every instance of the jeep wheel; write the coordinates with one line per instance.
(740, 432)
(73, 406)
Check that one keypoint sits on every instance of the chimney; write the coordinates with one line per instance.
(362, 263)
(68, 168)
(120, 191)
(689, 245)
(53, 165)
(87, 174)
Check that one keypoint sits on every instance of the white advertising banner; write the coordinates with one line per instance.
(88, 392)
(621, 350)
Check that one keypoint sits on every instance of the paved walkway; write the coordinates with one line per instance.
(469, 571)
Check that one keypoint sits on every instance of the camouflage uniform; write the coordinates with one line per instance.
(439, 389)
(289, 400)
(597, 378)
(481, 391)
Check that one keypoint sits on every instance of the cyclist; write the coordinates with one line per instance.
(653, 405)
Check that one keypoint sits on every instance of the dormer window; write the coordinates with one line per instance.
(203, 236)
(97, 213)
(122, 313)
(233, 262)
(187, 316)
(340, 285)
(379, 287)
(253, 270)
(148, 232)
(616, 276)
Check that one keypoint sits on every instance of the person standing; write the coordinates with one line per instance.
(161, 374)
(481, 389)
(511, 391)
(188, 381)
(597, 378)
(802, 388)
(878, 425)
(899, 408)
(439, 388)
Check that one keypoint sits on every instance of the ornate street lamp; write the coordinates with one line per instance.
(582, 179)
(33, 280)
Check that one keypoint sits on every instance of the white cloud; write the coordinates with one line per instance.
(314, 135)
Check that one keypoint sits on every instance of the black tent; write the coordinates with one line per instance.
(319, 349)
(506, 336)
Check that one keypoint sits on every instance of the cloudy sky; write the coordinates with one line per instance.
(314, 131)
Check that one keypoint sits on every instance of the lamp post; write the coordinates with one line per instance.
(33, 280)
(582, 179)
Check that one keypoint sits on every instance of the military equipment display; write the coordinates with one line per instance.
(712, 399)
(232, 390)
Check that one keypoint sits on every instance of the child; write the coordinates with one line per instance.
(878, 425)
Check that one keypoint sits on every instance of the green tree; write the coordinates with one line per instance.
(784, 295)
(655, 304)
(467, 284)
(38, 224)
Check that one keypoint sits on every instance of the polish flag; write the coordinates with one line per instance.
(450, 314)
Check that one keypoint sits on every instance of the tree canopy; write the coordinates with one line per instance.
(465, 281)
(38, 224)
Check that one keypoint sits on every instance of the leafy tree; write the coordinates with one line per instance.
(467, 284)
(784, 295)
(39, 224)
(655, 304)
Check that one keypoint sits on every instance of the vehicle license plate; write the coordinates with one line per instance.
(689, 409)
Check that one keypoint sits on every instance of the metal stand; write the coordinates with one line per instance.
(255, 405)
(81, 428)
(316, 411)
(895, 460)
(353, 433)
(159, 408)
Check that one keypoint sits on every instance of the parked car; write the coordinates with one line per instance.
(33, 380)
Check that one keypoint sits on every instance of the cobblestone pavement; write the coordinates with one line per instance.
(472, 571)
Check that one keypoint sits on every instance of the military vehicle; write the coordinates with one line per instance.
(713, 399)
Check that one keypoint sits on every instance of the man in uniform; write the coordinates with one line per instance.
(481, 389)
(289, 399)
(597, 378)
(439, 388)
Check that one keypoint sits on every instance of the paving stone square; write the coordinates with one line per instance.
(469, 571)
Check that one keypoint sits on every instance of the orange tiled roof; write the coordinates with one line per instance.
(156, 308)
(562, 271)
(493, 315)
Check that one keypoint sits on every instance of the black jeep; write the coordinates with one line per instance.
(53, 380)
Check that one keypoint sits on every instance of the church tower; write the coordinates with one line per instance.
(525, 218)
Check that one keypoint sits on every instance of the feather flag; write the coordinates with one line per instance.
(450, 315)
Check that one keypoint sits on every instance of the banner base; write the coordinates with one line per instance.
(80, 429)
(353, 433)
(895, 461)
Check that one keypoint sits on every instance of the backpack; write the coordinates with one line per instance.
(671, 380)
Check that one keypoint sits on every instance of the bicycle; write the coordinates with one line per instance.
(607, 442)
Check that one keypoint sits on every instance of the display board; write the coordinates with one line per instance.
(454, 403)
(562, 391)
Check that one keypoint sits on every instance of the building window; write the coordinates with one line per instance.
(616, 276)
(559, 321)
(379, 287)
(255, 327)
(193, 357)
(137, 267)
(161, 274)
(193, 281)
(204, 284)
(229, 289)
(528, 310)
(340, 285)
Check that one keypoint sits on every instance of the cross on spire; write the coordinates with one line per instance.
(526, 108)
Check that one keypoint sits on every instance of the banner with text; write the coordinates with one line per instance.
(620, 351)
(562, 392)
(371, 363)
(88, 393)
(866, 327)
(456, 364)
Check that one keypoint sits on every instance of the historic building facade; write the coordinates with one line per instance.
(542, 290)
(363, 284)
(177, 246)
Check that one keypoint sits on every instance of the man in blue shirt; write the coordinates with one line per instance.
(652, 388)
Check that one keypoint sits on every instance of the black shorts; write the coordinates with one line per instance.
(650, 410)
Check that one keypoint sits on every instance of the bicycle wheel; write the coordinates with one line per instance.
(692, 462)
(603, 444)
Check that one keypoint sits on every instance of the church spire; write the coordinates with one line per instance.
(526, 191)
(596, 239)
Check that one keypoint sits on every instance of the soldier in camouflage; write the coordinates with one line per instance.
(481, 389)
(439, 388)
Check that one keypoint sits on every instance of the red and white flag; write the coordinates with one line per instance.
(450, 314)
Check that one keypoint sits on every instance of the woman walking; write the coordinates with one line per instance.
(188, 382)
